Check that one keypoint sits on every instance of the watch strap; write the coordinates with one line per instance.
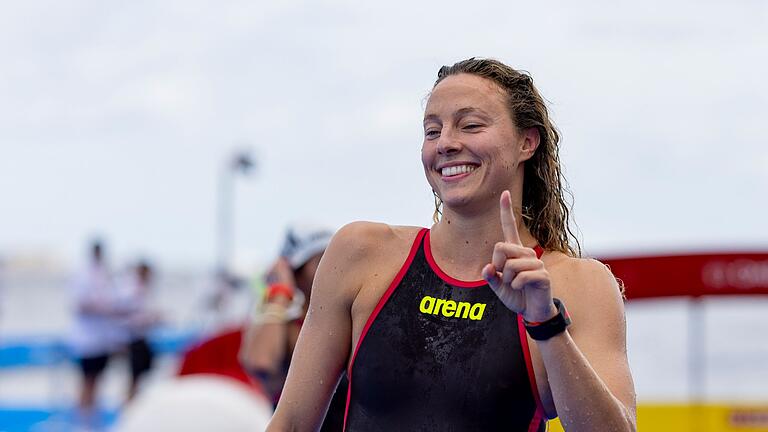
(551, 327)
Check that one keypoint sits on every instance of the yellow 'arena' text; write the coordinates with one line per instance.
(452, 309)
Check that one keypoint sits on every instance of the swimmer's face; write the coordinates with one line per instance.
(472, 148)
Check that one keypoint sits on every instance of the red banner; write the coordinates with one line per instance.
(692, 275)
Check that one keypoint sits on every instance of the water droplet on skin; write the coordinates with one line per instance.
(321, 381)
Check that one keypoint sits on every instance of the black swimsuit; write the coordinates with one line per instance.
(439, 354)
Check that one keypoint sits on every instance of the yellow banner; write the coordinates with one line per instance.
(698, 418)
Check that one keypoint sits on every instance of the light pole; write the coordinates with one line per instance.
(240, 162)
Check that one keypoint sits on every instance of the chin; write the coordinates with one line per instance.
(456, 200)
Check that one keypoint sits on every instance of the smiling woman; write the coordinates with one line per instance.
(386, 300)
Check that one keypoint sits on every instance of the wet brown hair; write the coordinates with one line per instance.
(546, 212)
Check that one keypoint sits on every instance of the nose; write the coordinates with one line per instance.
(448, 144)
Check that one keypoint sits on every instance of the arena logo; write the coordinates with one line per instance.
(740, 274)
(452, 309)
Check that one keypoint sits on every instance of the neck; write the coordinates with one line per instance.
(476, 234)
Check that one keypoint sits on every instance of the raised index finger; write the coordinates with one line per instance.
(508, 222)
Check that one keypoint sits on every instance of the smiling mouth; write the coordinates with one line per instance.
(457, 170)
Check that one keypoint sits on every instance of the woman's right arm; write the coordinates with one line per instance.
(324, 344)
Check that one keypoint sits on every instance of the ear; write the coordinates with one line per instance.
(530, 140)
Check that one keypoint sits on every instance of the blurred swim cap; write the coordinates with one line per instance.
(303, 241)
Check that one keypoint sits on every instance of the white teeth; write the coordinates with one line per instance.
(456, 170)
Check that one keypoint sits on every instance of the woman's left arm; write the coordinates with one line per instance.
(586, 365)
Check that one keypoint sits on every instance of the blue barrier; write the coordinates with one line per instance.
(50, 350)
(64, 419)
(33, 351)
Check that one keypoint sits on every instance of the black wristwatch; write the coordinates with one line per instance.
(551, 327)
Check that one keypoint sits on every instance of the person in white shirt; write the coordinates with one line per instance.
(96, 333)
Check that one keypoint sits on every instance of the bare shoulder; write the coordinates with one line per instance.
(588, 276)
(362, 240)
(360, 248)
(588, 288)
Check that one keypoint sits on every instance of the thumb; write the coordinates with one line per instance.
(491, 276)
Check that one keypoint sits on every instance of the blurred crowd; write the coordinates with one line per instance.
(114, 316)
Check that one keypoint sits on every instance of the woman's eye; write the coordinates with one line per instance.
(472, 126)
(431, 133)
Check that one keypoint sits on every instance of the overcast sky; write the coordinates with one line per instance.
(115, 117)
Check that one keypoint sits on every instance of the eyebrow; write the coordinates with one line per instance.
(458, 113)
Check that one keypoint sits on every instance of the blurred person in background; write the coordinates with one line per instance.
(273, 330)
(136, 319)
(96, 333)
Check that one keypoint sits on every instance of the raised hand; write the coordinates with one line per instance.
(281, 273)
(515, 274)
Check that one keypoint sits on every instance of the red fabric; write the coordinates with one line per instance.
(218, 355)
(692, 275)
(538, 415)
